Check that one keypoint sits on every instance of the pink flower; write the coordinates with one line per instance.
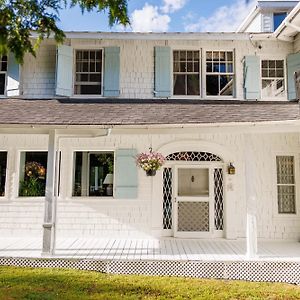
(150, 161)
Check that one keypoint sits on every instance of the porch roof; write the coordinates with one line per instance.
(142, 111)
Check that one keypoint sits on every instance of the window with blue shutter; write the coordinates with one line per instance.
(64, 71)
(162, 80)
(293, 65)
(252, 77)
(13, 76)
(126, 177)
(111, 86)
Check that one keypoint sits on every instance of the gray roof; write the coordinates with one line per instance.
(142, 111)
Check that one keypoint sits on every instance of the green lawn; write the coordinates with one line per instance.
(26, 283)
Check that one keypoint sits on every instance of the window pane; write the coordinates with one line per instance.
(277, 19)
(226, 85)
(176, 67)
(33, 166)
(179, 85)
(176, 55)
(285, 169)
(209, 67)
(212, 85)
(286, 199)
(2, 84)
(3, 63)
(193, 85)
(3, 161)
(88, 89)
(93, 174)
(182, 55)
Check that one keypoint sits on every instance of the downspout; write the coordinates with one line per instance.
(57, 172)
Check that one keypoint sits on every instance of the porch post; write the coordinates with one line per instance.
(251, 231)
(49, 210)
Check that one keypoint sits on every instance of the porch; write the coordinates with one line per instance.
(170, 249)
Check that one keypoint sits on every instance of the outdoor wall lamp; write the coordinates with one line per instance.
(231, 169)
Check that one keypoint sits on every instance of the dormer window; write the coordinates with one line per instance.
(3, 70)
(277, 19)
(88, 72)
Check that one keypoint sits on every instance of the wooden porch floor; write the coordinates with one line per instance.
(152, 249)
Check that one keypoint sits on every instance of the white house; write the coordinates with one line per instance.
(206, 101)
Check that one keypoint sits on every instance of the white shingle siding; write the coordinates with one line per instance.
(142, 217)
(137, 63)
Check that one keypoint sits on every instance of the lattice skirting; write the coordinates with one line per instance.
(288, 272)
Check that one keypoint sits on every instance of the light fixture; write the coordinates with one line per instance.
(109, 180)
(231, 169)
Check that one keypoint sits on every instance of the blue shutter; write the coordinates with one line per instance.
(64, 71)
(293, 65)
(252, 77)
(162, 72)
(126, 174)
(13, 76)
(111, 87)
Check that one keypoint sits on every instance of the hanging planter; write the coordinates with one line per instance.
(150, 162)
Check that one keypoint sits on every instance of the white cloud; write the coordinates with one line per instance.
(149, 19)
(170, 6)
(225, 18)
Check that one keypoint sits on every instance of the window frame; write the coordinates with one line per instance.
(87, 48)
(276, 213)
(6, 189)
(86, 198)
(274, 57)
(18, 170)
(205, 73)
(5, 77)
(200, 72)
(273, 18)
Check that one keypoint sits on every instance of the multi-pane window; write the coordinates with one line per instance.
(3, 162)
(272, 74)
(186, 73)
(219, 73)
(33, 166)
(88, 72)
(286, 190)
(3, 69)
(93, 174)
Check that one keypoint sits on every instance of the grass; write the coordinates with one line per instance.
(46, 284)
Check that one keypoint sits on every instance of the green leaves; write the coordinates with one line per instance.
(21, 20)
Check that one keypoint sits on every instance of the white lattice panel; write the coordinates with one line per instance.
(288, 272)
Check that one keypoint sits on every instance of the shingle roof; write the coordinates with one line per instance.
(142, 112)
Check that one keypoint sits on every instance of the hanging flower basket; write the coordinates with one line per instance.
(150, 162)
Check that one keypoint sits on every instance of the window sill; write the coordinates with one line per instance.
(202, 98)
(291, 217)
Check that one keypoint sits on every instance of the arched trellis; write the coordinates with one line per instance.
(194, 156)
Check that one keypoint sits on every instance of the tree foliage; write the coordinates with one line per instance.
(20, 18)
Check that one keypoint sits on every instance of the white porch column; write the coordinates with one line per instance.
(251, 231)
(49, 213)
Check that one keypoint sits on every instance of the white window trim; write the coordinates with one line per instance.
(17, 172)
(93, 198)
(87, 48)
(6, 188)
(274, 57)
(276, 214)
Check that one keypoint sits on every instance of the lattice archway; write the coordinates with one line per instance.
(193, 156)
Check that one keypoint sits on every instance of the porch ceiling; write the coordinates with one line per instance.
(142, 111)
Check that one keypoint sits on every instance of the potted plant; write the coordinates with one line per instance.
(150, 162)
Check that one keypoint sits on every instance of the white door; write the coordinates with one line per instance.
(193, 201)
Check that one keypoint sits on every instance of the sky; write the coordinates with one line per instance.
(166, 16)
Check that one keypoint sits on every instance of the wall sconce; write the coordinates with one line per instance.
(231, 169)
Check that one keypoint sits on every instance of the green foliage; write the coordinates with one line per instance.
(32, 187)
(26, 283)
(19, 18)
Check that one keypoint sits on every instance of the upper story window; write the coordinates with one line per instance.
(272, 74)
(186, 73)
(88, 72)
(3, 69)
(278, 18)
(286, 189)
(219, 73)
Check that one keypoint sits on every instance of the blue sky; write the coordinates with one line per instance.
(165, 15)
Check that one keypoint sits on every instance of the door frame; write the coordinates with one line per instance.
(211, 166)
